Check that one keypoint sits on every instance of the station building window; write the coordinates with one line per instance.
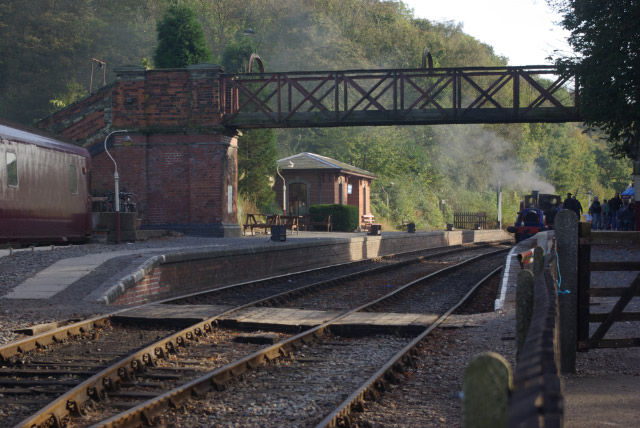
(12, 169)
(73, 179)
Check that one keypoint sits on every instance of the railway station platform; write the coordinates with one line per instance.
(159, 272)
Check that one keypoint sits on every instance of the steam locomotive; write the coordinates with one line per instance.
(44, 188)
(537, 213)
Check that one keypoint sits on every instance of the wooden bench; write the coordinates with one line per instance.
(291, 222)
(326, 222)
(252, 223)
(367, 221)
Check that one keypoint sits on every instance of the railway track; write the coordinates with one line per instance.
(173, 360)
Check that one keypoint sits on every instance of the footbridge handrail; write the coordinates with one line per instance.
(398, 96)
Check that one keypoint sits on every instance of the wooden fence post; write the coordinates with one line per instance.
(584, 283)
(486, 385)
(566, 231)
(538, 261)
(524, 306)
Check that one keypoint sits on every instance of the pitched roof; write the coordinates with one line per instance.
(308, 161)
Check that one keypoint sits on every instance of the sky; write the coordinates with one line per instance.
(524, 31)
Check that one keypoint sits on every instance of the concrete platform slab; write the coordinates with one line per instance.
(294, 318)
(602, 402)
(170, 314)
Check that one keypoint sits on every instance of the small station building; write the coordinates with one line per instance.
(313, 179)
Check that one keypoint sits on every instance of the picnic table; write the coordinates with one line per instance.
(325, 222)
(259, 221)
(290, 222)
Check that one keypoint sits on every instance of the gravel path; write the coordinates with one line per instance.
(289, 393)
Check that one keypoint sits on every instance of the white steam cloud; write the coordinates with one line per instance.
(472, 152)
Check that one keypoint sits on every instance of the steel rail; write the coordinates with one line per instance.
(340, 415)
(146, 412)
(96, 387)
(62, 333)
(56, 335)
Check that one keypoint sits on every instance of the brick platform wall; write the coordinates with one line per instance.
(146, 290)
(198, 271)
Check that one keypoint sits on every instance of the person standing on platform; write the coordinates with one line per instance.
(605, 215)
(596, 210)
(615, 204)
(570, 204)
(578, 206)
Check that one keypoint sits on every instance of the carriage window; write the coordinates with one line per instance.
(12, 169)
(73, 179)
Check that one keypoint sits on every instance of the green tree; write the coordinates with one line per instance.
(181, 41)
(257, 148)
(257, 154)
(73, 93)
(606, 38)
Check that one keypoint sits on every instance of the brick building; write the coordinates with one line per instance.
(182, 164)
(313, 179)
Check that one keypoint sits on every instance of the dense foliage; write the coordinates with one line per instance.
(181, 41)
(424, 172)
(344, 218)
(606, 38)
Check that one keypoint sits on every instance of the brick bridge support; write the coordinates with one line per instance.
(182, 164)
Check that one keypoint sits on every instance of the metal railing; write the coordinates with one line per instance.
(471, 220)
(399, 96)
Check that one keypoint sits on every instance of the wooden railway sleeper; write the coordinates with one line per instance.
(199, 391)
(220, 381)
(180, 341)
(357, 406)
(125, 375)
(52, 422)
(344, 421)
(159, 352)
(148, 361)
(147, 418)
(96, 393)
(75, 410)
(390, 377)
(256, 362)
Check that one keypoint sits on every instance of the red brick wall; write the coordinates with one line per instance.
(177, 179)
(179, 165)
(170, 99)
(147, 290)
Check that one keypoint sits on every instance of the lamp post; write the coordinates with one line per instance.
(116, 179)
(103, 66)
(284, 192)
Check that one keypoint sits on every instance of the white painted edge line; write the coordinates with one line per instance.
(499, 303)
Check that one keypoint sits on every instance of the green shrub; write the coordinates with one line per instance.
(344, 218)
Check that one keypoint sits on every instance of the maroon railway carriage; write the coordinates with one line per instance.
(44, 188)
